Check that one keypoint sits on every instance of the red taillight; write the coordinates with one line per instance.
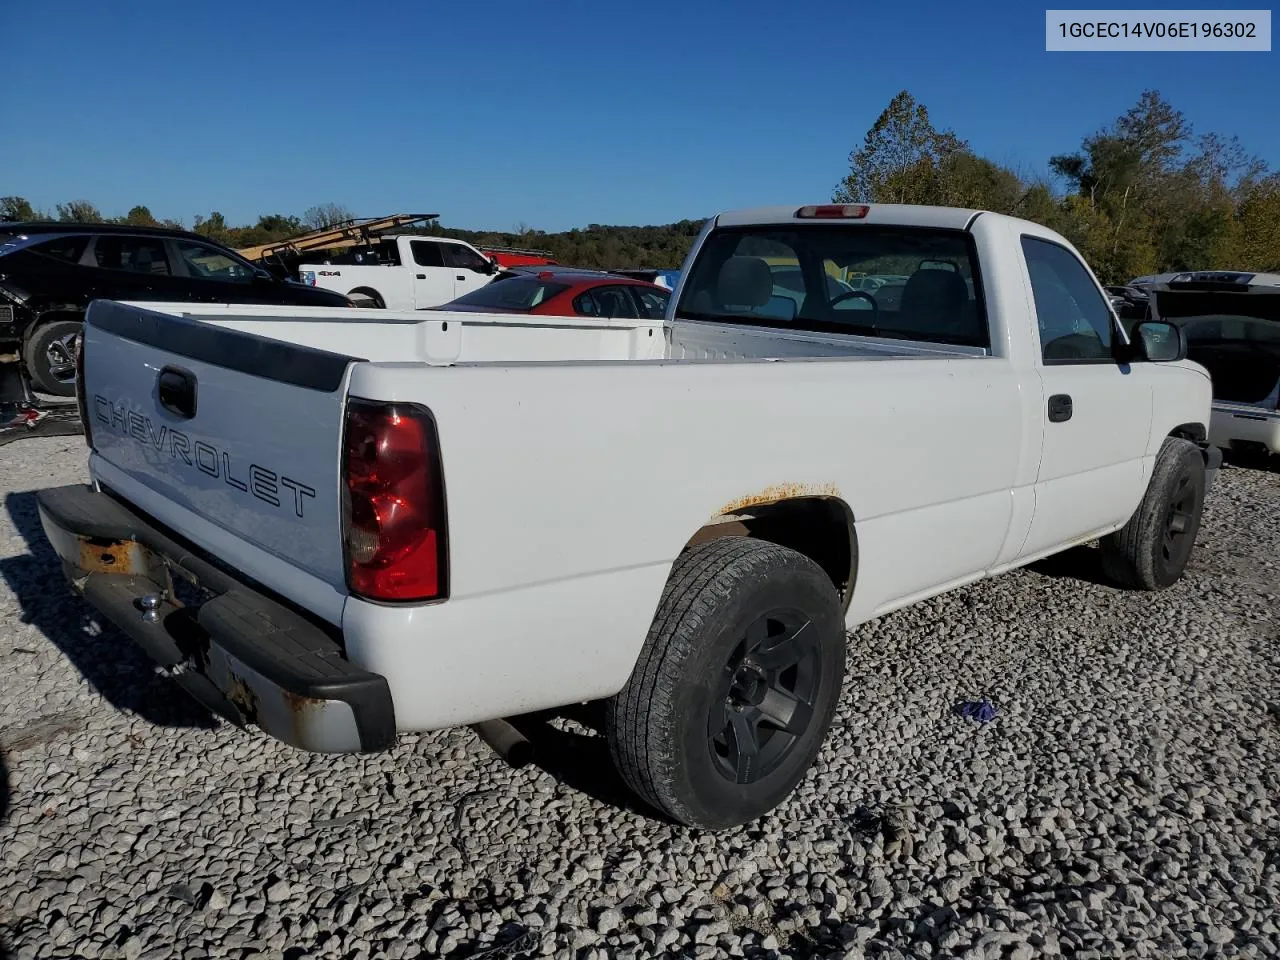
(834, 211)
(395, 518)
(82, 404)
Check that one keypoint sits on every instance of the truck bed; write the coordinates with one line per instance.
(579, 455)
(441, 338)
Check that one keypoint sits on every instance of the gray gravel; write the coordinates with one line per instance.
(1124, 803)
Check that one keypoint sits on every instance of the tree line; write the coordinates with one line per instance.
(1143, 194)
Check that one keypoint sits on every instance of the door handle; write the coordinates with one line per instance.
(1059, 408)
(176, 391)
(459, 276)
(421, 276)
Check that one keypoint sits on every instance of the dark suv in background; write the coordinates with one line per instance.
(50, 272)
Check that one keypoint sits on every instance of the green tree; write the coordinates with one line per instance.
(17, 208)
(326, 215)
(215, 227)
(140, 216)
(1127, 175)
(901, 157)
(1257, 241)
(967, 180)
(79, 211)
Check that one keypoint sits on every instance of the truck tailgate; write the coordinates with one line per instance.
(240, 430)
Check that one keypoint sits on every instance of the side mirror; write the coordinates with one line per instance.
(1159, 342)
(261, 275)
(493, 266)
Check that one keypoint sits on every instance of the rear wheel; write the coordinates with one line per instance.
(736, 684)
(1151, 551)
(50, 356)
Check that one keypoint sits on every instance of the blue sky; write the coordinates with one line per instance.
(551, 114)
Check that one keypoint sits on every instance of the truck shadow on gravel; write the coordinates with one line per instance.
(579, 758)
(110, 661)
(1078, 563)
(4, 792)
(1261, 461)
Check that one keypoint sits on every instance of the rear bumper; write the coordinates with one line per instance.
(242, 653)
(1241, 426)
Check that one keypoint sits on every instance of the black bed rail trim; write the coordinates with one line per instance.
(290, 363)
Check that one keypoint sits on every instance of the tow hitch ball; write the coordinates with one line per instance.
(150, 605)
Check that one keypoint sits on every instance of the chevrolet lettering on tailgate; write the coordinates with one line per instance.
(258, 481)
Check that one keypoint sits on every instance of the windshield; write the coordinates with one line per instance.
(900, 282)
(514, 293)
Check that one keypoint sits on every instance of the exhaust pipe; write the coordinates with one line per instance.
(507, 742)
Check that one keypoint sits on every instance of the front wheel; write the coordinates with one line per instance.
(1151, 551)
(735, 686)
(50, 356)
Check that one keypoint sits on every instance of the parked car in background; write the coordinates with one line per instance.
(50, 272)
(565, 292)
(1143, 283)
(1130, 302)
(1231, 320)
(518, 256)
(405, 272)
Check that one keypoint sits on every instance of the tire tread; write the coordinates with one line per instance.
(1127, 554)
(642, 747)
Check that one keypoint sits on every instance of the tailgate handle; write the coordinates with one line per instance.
(176, 391)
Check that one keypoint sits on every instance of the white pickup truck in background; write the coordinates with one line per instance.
(343, 524)
(401, 272)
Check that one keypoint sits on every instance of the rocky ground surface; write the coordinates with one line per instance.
(1124, 802)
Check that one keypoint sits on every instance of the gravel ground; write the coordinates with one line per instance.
(1123, 803)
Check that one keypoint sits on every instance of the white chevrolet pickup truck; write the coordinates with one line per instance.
(401, 272)
(340, 525)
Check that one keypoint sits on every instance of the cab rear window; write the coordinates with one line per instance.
(908, 283)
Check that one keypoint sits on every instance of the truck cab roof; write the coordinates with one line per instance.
(889, 213)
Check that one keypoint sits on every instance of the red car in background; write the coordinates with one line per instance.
(565, 292)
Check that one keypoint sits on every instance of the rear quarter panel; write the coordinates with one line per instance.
(572, 488)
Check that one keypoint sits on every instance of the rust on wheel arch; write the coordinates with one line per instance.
(777, 492)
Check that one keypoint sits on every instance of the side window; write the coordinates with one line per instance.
(69, 249)
(210, 263)
(426, 253)
(614, 302)
(132, 254)
(1074, 319)
(653, 303)
(584, 305)
(464, 258)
